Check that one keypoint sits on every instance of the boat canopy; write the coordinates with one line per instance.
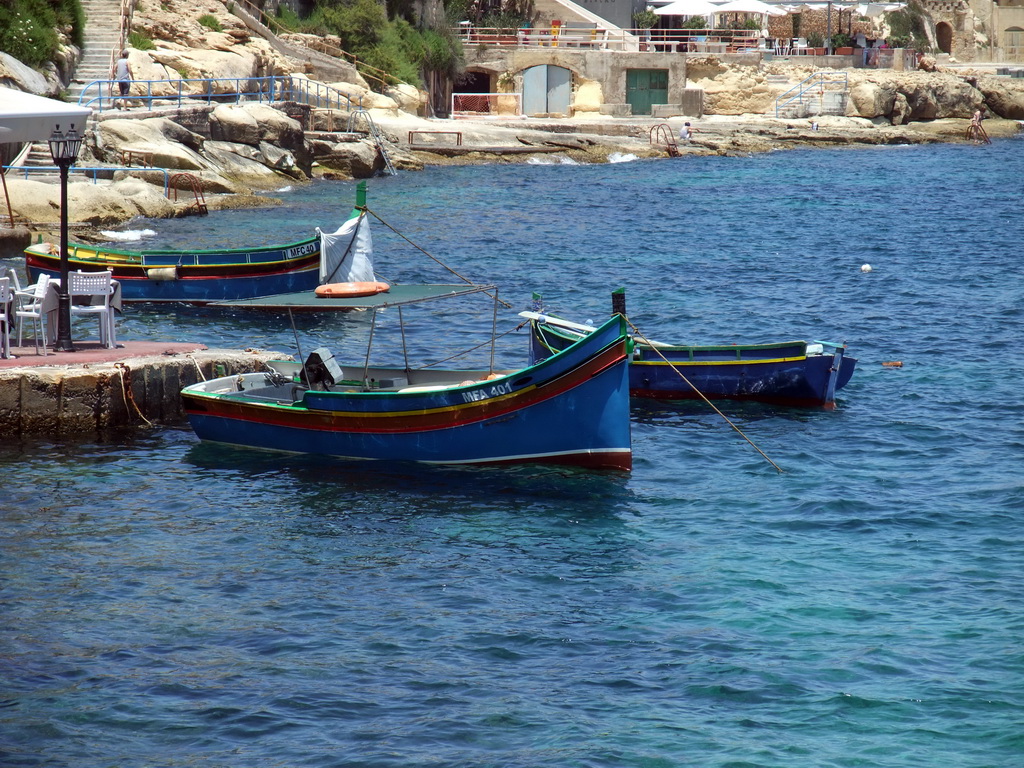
(398, 295)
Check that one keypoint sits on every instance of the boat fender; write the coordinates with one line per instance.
(350, 290)
(162, 273)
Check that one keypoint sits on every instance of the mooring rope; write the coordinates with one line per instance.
(481, 344)
(126, 393)
(432, 257)
(196, 364)
(638, 335)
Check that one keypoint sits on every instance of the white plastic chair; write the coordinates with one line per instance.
(6, 299)
(94, 284)
(30, 306)
(800, 45)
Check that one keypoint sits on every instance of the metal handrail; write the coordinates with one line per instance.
(271, 88)
(818, 79)
(95, 171)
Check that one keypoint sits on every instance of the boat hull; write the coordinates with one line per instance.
(786, 373)
(571, 409)
(195, 277)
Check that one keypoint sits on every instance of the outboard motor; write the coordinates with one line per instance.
(320, 370)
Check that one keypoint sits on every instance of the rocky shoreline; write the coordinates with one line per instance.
(248, 151)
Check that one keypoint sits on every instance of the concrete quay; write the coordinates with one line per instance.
(94, 389)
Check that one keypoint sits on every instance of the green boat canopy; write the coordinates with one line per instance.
(398, 295)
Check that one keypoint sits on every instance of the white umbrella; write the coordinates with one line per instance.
(750, 6)
(27, 117)
(688, 8)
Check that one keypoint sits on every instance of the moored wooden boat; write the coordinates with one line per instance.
(196, 277)
(794, 373)
(570, 409)
(212, 276)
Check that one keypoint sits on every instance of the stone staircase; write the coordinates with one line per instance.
(102, 33)
(828, 98)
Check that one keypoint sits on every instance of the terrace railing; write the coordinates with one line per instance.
(660, 40)
(99, 94)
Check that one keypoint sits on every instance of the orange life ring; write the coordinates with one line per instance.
(350, 290)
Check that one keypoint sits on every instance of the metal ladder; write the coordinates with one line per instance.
(374, 132)
(810, 94)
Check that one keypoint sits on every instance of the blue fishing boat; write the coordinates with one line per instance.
(572, 408)
(202, 276)
(793, 373)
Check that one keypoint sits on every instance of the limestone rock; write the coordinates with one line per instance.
(900, 110)
(87, 202)
(1004, 97)
(235, 124)
(277, 158)
(870, 100)
(407, 98)
(242, 162)
(933, 96)
(147, 136)
(253, 123)
(589, 97)
(225, 66)
(14, 74)
(355, 160)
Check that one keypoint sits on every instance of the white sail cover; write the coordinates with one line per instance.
(346, 256)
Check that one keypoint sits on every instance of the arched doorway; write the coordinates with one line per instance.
(547, 90)
(944, 36)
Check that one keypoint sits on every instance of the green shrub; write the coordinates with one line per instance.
(28, 28)
(287, 17)
(209, 21)
(841, 40)
(140, 42)
(907, 27)
(645, 19)
(694, 22)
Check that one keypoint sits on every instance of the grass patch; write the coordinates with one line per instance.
(209, 21)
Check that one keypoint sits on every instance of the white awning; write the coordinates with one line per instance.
(688, 8)
(27, 117)
(751, 6)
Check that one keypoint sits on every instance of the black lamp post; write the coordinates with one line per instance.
(64, 148)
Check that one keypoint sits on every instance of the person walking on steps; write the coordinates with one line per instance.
(123, 75)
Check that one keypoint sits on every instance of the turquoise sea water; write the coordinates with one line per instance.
(167, 603)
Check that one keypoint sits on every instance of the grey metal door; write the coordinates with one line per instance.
(547, 89)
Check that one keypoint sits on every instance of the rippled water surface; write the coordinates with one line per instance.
(168, 603)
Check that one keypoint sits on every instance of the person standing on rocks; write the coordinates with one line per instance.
(123, 75)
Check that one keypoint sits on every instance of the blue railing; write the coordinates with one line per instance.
(102, 94)
(27, 169)
(819, 80)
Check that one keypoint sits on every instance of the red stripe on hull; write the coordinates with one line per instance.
(405, 422)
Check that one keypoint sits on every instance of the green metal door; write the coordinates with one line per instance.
(645, 87)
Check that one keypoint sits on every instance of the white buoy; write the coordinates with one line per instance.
(865, 268)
